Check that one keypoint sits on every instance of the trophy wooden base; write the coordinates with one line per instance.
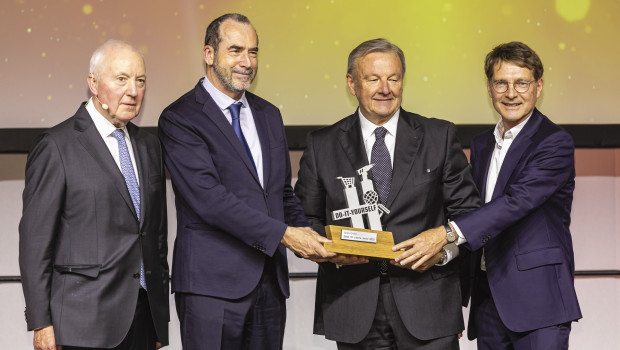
(361, 242)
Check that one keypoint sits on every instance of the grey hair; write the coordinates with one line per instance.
(97, 58)
(370, 46)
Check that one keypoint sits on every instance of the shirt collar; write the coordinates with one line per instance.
(221, 99)
(368, 128)
(511, 133)
(104, 126)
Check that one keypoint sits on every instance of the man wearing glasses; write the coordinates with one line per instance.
(522, 266)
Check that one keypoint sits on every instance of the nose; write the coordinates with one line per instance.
(511, 92)
(385, 87)
(132, 88)
(244, 60)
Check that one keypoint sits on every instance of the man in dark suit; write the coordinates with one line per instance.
(228, 159)
(92, 248)
(522, 271)
(424, 180)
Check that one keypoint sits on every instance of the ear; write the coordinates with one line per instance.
(209, 55)
(92, 83)
(351, 84)
(539, 87)
(489, 89)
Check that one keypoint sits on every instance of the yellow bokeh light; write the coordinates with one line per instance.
(561, 46)
(572, 10)
(43, 54)
(87, 9)
(588, 29)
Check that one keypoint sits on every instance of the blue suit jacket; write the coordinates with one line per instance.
(524, 229)
(227, 224)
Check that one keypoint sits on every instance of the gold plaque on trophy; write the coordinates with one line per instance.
(361, 242)
(357, 240)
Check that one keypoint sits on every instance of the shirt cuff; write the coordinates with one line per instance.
(452, 251)
(461, 238)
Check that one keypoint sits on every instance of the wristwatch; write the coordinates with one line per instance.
(450, 235)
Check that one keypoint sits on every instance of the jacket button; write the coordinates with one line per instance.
(142, 234)
(136, 275)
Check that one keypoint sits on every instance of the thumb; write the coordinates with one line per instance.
(323, 239)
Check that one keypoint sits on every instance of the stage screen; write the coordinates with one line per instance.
(46, 47)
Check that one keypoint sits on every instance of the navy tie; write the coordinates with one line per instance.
(382, 169)
(236, 124)
(131, 182)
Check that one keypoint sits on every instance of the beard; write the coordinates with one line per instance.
(225, 77)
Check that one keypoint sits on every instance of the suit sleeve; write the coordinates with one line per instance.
(43, 200)
(548, 168)
(162, 237)
(293, 213)
(196, 179)
(459, 190)
(310, 190)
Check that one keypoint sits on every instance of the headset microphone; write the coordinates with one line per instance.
(103, 105)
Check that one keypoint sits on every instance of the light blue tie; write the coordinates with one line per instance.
(236, 124)
(131, 182)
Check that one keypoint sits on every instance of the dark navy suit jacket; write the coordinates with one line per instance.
(227, 224)
(524, 229)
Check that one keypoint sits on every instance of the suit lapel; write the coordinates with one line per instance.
(350, 138)
(214, 113)
(262, 128)
(91, 140)
(408, 139)
(516, 152)
(484, 155)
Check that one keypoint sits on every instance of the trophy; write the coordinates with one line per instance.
(357, 240)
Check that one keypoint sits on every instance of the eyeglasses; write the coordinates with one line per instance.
(520, 86)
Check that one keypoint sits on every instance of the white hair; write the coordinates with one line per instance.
(97, 58)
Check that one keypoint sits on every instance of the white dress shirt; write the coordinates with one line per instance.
(106, 128)
(368, 134)
(246, 119)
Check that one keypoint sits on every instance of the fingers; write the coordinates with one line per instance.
(404, 244)
(349, 260)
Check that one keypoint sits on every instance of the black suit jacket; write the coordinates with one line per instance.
(227, 223)
(431, 183)
(80, 240)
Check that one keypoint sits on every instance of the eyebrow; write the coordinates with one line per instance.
(237, 47)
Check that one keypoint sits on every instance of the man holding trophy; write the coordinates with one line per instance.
(383, 172)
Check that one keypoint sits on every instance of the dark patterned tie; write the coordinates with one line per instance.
(236, 124)
(382, 175)
(382, 169)
(131, 182)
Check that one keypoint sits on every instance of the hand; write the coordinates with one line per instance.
(423, 266)
(306, 243)
(349, 260)
(422, 247)
(44, 339)
(157, 345)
